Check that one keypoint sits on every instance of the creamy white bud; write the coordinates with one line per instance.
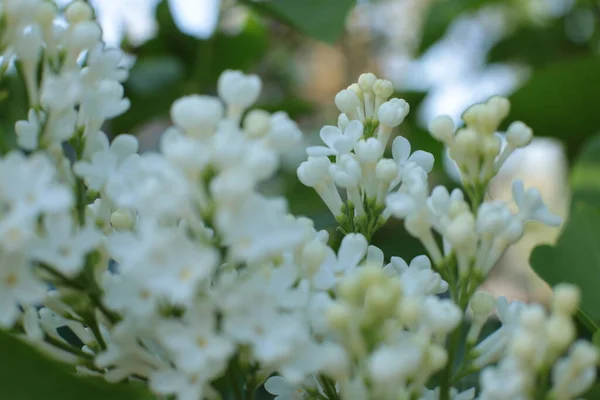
(392, 112)
(466, 142)
(45, 13)
(519, 134)
(491, 146)
(347, 102)
(238, 89)
(561, 331)
(121, 220)
(500, 105)
(383, 89)
(366, 81)
(438, 357)
(442, 128)
(197, 115)
(409, 310)
(566, 298)
(257, 123)
(313, 256)
(314, 170)
(369, 151)
(84, 35)
(79, 11)
(482, 303)
(386, 170)
(533, 317)
(338, 315)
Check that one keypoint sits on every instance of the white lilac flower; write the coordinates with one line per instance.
(418, 278)
(105, 161)
(195, 343)
(63, 246)
(337, 142)
(351, 253)
(163, 261)
(174, 382)
(19, 286)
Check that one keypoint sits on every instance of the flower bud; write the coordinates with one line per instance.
(369, 151)
(383, 89)
(386, 171)
(121, 220)
(79, 11)
(197, 115)
(313, 255)
(84, 35)
(236, 88)
(392, 112)
(561, 331)
(533, 317)
(519, 134)
(566, 298)
(257, 123)
(482, 304)
(366, 81)
(347, 101)
(442, 128)
(338, 315)
(438, 357)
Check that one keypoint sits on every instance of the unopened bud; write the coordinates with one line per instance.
(79, 11)
(121, 220)
(566, 298)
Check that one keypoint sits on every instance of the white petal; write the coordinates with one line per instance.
(400, 204)
(420, 262)
(330, 134)
(400, 149)
(277, 386)
(320, 151)
(375, 256)
(354, 130)
(352, 250)
(423, 159)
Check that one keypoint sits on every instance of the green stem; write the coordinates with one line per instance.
(446, 382)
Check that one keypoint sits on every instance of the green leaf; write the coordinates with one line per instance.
(323, 20)
(585, 178)
(575, 258)
(537, 45)
(154, 74)
(561, 101)
(27, 375)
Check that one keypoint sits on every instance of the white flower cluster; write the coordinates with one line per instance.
(357, 146)
(172, 268)
(535, 351)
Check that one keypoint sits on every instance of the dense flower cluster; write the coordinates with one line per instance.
(174, 269)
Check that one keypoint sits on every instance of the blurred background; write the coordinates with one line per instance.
(441, 55)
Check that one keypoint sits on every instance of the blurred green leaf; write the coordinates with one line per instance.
(27, 375)
(537, 45)
(575, 258)
(585, 177)
(442, 14)
(323, 20)
(561, 101)
(154, 74)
